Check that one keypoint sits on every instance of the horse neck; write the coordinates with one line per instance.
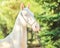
(18, 27)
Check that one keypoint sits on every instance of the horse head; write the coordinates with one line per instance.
(28, 18)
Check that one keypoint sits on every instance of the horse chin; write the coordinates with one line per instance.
(36, 29)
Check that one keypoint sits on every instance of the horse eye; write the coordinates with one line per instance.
(27, 15)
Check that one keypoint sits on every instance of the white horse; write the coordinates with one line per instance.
(18, 37)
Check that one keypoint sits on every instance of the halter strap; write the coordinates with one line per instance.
(27, 21)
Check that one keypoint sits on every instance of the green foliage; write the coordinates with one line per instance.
(8, 13)
(47, 13)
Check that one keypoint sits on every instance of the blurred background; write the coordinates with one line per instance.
(47, 13)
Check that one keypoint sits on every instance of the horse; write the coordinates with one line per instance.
(18, 37)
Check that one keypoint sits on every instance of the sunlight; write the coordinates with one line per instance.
(5, 45)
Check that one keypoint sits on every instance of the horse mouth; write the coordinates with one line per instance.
(36, 29)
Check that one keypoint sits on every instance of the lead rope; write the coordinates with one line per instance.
(37, 37)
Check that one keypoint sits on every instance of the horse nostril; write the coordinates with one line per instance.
(35, 26)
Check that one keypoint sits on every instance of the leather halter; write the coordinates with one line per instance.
(27, 21)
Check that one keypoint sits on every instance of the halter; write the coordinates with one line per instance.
(27, 21)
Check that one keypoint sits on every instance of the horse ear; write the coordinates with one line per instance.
(28, 5)
(22, 6)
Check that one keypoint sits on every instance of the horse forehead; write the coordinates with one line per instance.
(28, 11)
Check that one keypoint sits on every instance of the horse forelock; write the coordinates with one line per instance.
(28, 11)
